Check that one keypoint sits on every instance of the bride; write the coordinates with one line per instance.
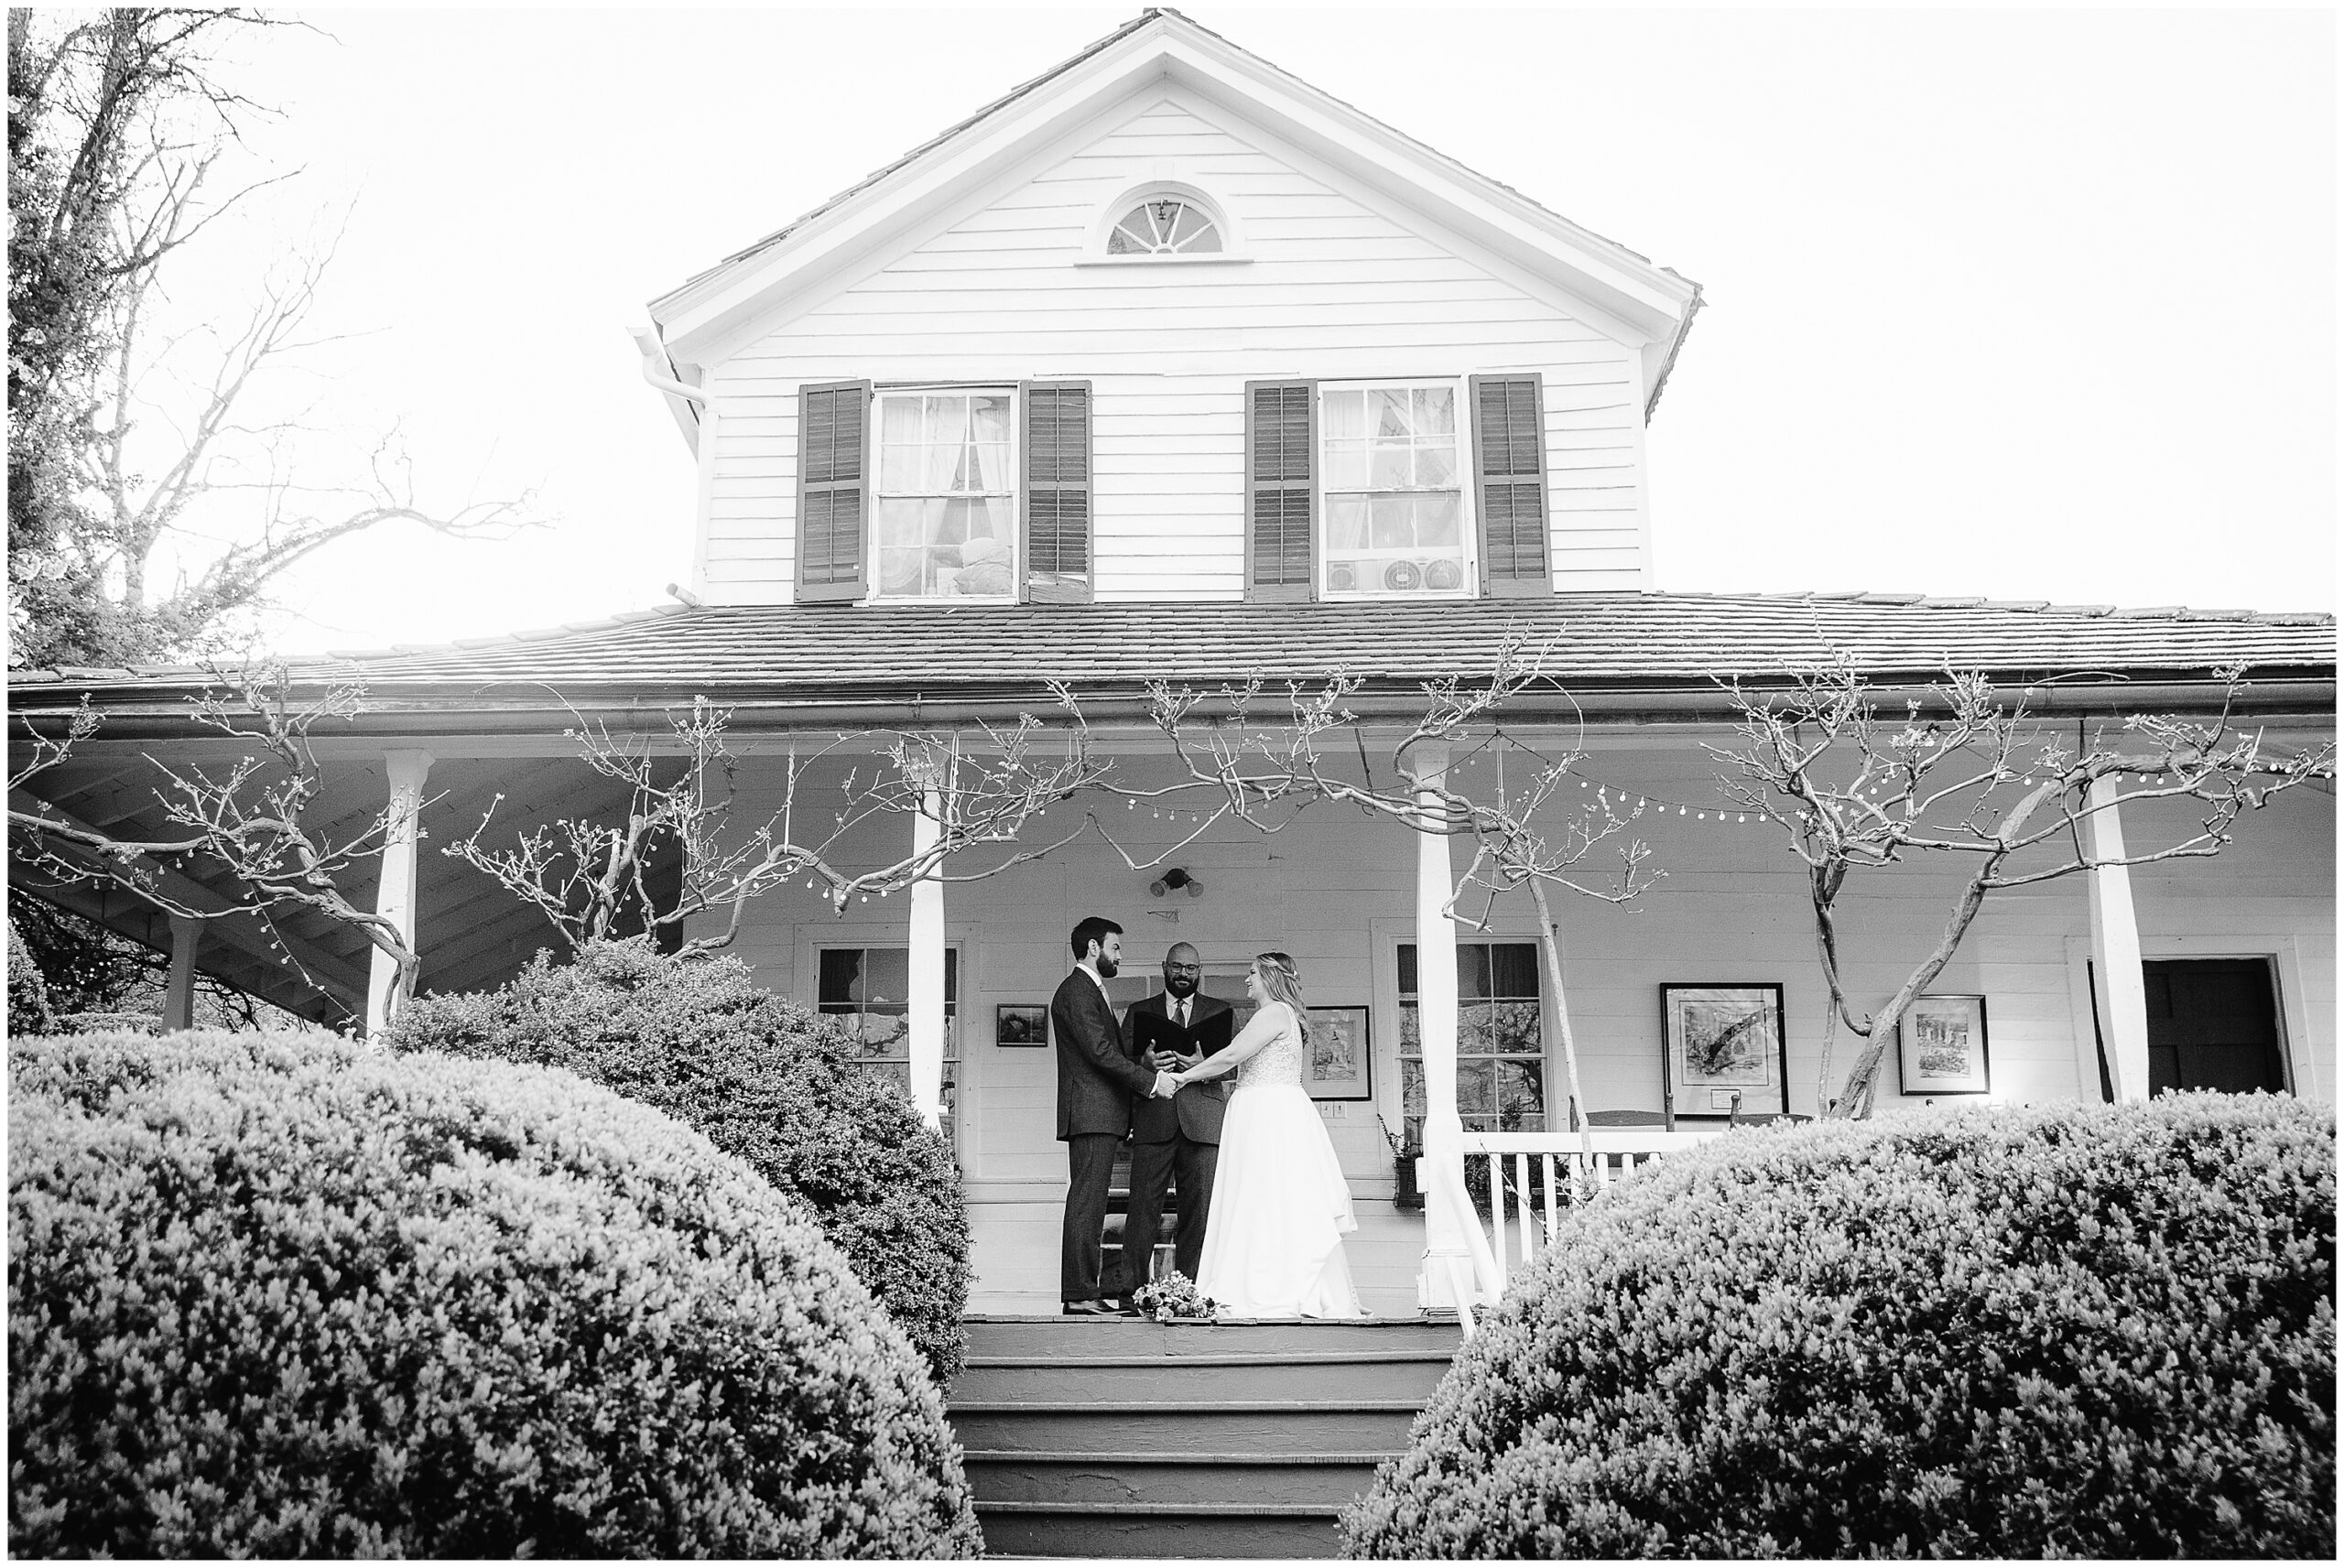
(1273, 1238)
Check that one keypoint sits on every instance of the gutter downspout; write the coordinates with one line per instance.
(684, 400)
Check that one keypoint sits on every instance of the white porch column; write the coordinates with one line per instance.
(2120, 997)
(178, 991)
(395, 894)
(1445, 1242)
(926, 992)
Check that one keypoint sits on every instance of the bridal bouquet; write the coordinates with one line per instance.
(1174, 1298)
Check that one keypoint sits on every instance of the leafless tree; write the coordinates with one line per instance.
(1524, 835)
(159, 485)
(1960, 774)
(587, 876)
(250, 821)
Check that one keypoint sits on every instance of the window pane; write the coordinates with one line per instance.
(1514, 1028)
(838, 989)
(1346, 523)
(1343, 417)
(939, 546)
(1435, 521)
(1472, 971)
(1436, 411)
(1521, 1089)
(1514, 968)
(1407, 968)
(887, 976)
(1477, 1087)
(1411, 1042)
(1388, 414)
(1436, 467)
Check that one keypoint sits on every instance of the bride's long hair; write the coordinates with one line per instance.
(1283, 983)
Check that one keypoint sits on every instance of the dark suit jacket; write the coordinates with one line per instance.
(1196, 1110)
(1097, 1076)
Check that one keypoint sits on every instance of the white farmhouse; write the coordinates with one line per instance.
(1166, 365)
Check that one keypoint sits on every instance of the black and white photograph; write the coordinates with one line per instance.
(1942, 1046)
(1016, 1023)
(991, 726)
(1725, 1049)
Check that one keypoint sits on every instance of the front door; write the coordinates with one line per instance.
(2212, 1025)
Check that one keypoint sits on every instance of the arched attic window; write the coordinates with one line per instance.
(1165, 223)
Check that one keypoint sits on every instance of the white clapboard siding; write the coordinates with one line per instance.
(1332, 289)
(1341, 894)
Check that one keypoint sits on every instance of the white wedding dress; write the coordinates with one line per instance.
(1274, 1237)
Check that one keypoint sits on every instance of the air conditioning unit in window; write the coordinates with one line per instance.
(1392, 571)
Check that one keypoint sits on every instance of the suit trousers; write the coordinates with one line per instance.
(1188, 1163)
(1090, 1166)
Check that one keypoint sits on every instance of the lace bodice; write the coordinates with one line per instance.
(1279, 1062)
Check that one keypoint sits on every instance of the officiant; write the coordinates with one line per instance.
(1175, 1141)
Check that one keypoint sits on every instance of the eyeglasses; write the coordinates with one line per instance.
(1186, 968)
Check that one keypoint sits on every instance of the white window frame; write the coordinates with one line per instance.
(958, 1015)
(1016, 494)
(1103, 225)
(1388, 936)
(1467, 520)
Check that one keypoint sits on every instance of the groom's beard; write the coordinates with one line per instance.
(1107, 968)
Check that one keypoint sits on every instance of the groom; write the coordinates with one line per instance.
(1097, 1082)
(1178, 1141)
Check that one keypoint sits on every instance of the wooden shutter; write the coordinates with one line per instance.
(833, 490)
(1281, 491)
(1057, 501)
(1510, 484)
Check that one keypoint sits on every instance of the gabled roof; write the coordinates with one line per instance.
(700, 321)
(1621, 653)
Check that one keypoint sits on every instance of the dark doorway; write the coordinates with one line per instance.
(2212, 1025)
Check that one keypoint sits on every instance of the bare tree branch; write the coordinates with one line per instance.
(1965, 776)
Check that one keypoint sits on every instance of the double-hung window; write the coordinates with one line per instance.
(1404, 489)
(869, 990)
(947, 501)
(958, 493)
(1500, 1042)
(1396, 503)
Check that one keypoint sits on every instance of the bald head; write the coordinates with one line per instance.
(1182, 970)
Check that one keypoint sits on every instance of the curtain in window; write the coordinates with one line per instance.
(947, 513)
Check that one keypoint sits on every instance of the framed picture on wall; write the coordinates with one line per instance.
(1020, 1023)
(1723, 1051)
(1941, 1046)
(1338, 1063)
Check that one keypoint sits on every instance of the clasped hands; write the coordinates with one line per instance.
(1168, 1066)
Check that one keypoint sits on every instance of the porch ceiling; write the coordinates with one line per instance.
(474, 933)
(1618, 654)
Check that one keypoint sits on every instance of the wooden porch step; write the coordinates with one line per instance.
(1055, 1335)
(1121, 1437)
(1141, 1530)
(1404, 1374)
(1221, 1426)
(1324, 1479)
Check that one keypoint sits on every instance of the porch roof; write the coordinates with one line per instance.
(1610, 650)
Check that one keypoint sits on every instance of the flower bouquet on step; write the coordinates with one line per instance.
(1173, 1299)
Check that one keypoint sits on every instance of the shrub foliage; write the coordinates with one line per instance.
(766, 1080)
(271, 1296)
(2095, 1332)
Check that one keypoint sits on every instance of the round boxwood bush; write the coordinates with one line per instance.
(2102, 1332)
(273, 1296)
(764, 1079)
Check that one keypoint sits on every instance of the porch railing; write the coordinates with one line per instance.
(1533, 1175)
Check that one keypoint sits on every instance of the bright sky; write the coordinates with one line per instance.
(2022, 303)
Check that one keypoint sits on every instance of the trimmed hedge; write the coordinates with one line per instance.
(269, 1295)
(764, 1079)
(29, 1007)
(2101, 1332)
